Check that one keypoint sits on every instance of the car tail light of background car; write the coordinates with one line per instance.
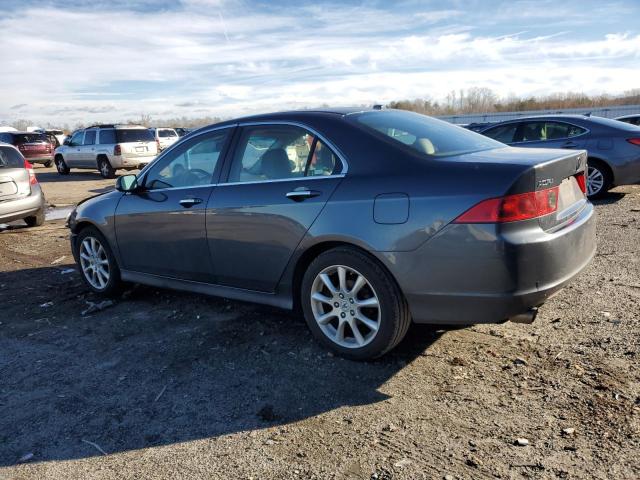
(117, 150)
(32, 176)
(634, 141)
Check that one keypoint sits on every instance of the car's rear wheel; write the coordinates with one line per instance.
(598, 179)
(352, 305)
(98, 266)
(105, 168)
(61, 165)
(36, 220)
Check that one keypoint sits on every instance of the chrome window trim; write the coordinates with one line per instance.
(278, 180)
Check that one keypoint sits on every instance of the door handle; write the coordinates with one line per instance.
(190, 202)
(569, 145)
(300, 194)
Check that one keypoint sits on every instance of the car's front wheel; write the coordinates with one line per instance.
(352, 305)
(598, 180)
(98, 266)
(61, 165)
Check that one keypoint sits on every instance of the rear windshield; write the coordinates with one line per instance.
(134, 135)
(30, 138)
(166, 133)
(424, 134)
(9, 158)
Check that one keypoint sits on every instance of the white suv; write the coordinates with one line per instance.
(165, 137)
(107, 148)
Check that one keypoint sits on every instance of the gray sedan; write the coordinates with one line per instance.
(363, 220)
(20, 195)
(614, 147)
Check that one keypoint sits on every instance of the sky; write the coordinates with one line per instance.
(72, 61)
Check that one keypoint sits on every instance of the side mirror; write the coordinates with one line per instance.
(127, 183)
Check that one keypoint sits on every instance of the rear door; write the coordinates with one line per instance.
(278, 181)
(550, 134)
(161, 228)
(14, 178)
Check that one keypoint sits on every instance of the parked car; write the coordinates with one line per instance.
(614, 147)
(33, 146)
(477, 126)
(58, 135)
(632, 119)
(107, 148)
(366, 220)
(183, 131)
(20, 193)
(165, 137)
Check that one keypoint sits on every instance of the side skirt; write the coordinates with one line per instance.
(208, 289)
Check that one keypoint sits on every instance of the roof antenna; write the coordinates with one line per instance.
(588, 114)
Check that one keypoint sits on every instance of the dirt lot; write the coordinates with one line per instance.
(172, 385)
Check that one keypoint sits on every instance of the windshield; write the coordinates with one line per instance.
(9, 158)
(134, 135)
(424, 134)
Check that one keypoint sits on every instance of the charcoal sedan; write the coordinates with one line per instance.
(613, 146)
(362, 220)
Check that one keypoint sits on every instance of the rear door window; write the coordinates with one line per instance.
(107, 136)
(31, 138)
(126, 135)
(90, 137)
(9, 158)
(502, 133)
(280, 152)
(541, 131)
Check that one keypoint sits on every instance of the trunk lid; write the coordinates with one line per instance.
(14, 183)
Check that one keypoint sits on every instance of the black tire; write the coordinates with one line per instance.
(48, 163)
(602, 172)
(36, 220)
(61, 165)
(114, 284)
(394, 311)
(105, 168)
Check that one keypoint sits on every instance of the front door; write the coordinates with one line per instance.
(279, 180)
(73, 152)
(161, 228)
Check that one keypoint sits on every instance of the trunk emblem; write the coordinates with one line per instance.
(545, 182)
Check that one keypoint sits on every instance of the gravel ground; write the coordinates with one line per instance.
(171, 385)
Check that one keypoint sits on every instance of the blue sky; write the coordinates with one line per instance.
(74, 61)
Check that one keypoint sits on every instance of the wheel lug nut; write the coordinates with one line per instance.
(352, 313)
(336, 304)
(351, 300)
(342, 315)
(341, 295)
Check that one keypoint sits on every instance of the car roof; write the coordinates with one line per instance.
(113, 125)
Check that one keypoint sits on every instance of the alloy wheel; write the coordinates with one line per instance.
(595, 181)
(345, 306)
(94, 262)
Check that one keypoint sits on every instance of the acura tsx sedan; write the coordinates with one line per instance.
(362, 220)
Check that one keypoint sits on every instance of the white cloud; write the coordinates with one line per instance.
(90, 65)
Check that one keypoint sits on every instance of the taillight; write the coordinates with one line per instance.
(634, 141)
(512, 208)
(32, 176)
(158, 144)
(117, 150)
(582, 181)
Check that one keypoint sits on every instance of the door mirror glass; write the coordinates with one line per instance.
(127, 183)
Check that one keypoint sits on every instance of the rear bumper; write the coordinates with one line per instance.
(40, 158)
(11, 210)
(476, 273)
(131, 162)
